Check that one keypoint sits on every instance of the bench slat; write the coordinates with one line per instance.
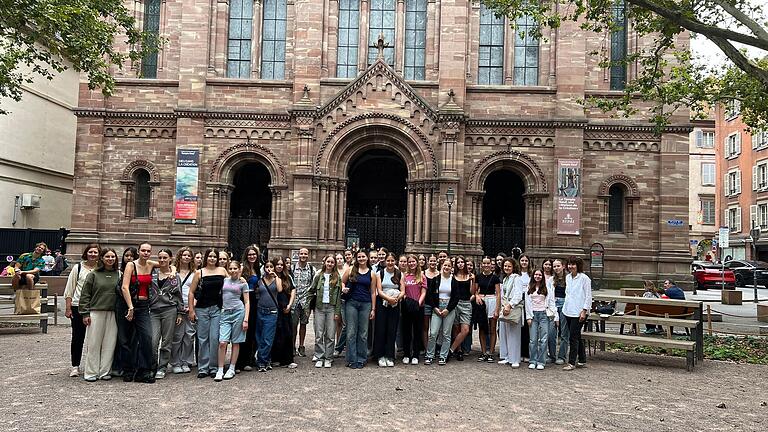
(640, 340)
(33, 317)
(648, 301)
(633, 319)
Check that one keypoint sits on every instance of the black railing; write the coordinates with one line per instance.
(502, 238)
(247, 231)
(383, 231)
(15, 242)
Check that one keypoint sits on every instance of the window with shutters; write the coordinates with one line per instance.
(152, 29)
(707, 174)
(759, 139)
(619, 46)
(732, 109)
(273, 40)
(526, 70)
(762, 215)
(760, 176)
(349, 26)
(239, 39)
(732, 145)
(733, 183)
(381, 21)
(733, 217)
(491, 50)
(708, 211)
(142, 194)
(704, 139)
(415, 39)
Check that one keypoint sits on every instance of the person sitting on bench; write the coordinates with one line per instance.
(673, 291)
(28, 268)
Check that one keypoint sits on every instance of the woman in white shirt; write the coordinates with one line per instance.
(539, 307)
(511, 296)
(90, 259)
(578, 302)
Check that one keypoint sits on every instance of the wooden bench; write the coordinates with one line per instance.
(7, 296)
(762, 312)
(653, 311)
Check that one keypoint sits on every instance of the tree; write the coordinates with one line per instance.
(36, 36)
(667, 74)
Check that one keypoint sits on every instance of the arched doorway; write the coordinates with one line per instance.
(503, 212)
(250, 208)
(376, 200)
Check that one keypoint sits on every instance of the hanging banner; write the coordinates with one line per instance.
(185, 202)
(569, 196)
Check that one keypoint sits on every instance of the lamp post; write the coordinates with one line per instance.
(754, 234)
(450, 195)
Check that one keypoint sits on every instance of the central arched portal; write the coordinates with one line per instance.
(377, 200)
(503, 212)
(250, 208)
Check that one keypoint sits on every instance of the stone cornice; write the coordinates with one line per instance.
(527, 124)
(102, 113)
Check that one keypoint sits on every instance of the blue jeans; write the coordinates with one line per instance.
(562, 353)
(439, 326)
(343, 336)
(208, 338)
(358, 314)
(265, 335)
(537, 347)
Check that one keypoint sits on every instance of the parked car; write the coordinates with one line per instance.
(708, 275)
(744, 271)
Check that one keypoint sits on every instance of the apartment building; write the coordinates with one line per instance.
(701, 190)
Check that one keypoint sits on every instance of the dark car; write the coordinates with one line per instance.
(744, 271)
(708, 275)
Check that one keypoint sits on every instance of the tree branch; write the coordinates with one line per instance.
(707, 30)
(740, 60)
(751, 24)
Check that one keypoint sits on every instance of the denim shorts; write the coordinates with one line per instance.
(231, 325)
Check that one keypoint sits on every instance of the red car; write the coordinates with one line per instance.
(708, 275)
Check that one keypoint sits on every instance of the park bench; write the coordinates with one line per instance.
(664, 312)
(7, 315)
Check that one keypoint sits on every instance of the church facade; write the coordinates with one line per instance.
(301, 123)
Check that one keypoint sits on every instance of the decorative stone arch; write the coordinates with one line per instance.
(393, 132)
(128, 180)
(513, 160)
(230, 160)
(631, 195)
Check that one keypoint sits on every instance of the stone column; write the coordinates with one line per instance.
(410, 223)
(419, 226)
(342, 205)
(362, 50)
(428, 213)
(256, 41)
(399, 36)
(323, 189)
(333, 210)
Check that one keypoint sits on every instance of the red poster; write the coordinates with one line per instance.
(569, 196)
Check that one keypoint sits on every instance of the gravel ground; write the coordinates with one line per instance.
(620, 391)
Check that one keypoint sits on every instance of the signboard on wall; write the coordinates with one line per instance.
(185, 200)
(569, 196)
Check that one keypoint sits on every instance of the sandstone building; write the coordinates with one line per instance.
(309, 130)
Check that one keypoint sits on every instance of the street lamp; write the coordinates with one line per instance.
(450, 195)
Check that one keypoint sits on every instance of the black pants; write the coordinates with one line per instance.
(412, 330)
(134, 339)
(78, 337)
(248, 348)
(576, 343)
(385, 331)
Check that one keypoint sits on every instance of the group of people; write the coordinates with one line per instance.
(140, 318)
(39, 262)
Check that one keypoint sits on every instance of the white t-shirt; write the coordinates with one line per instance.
(326, 288)
(444, 292)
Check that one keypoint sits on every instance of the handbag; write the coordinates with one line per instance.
(26, 302)
(515, 315)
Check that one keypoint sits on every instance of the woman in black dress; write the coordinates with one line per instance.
(282, 349)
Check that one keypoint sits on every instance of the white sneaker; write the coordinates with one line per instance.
(382, 362)
(390, 363)
(230, 374)
(75, 372)
(319, 364)
(178, 370)
(559, 361)
(415, 361)
(503, 361)
(219, 375)
(515, 365)
(160, 374)
(293, 366)
(540, 367)
(406, 360)
(327, 363)
(532, 366)
(186, 369)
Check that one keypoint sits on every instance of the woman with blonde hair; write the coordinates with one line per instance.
(324, 299)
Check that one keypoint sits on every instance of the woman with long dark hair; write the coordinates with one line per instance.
(270, 286)
(443, 296)
(183, 346)
(205, 309)
(539, 307)
(430, 274)
(526, 272)
(385, 326)
(578, 302)
(488, 294)
(463, 318)
(97, 307)
(166, 308)
(509, 331)
(282, 349)
(121, 309)
(558, 287)
(136, 346)
(360, 285)
(251, 273)
(75, 281)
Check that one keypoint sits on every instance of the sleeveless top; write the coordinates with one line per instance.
(210, 290)
(266, 294)
(360, 290)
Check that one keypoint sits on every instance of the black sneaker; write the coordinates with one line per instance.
(489, 358)
(482, 358)
(441, 362)
(427, 361)
(302, 351)
(202, 374)
(459, 356)
(127, 377)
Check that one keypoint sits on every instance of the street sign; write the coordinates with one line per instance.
(723, 241)
(675, 222)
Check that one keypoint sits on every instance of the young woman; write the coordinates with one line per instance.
(339, 257)
(385, 326)
(136, 345)
(578, 302)
(526, 271)
(539, 307)
(90, 258)
(251, 263)
(282, 348)
(205, 309)
(198, 260)
(359, 287)
(463, 317)
(121, 309)
(183, 346)
(422, 260)
(166, 308)
(651, 292)
(430, 274)
(488, 293)
(509, 332)
(402, 264)
(466, 346)
(97, 307)
(549, 275)
(443, 296)
(233, 323)
(341, 325)
(224, 258)
(324, 298)
(414, 285)
(270, 286)
(499, 265)
(558, 286)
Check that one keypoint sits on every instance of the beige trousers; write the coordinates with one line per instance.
(100, 339)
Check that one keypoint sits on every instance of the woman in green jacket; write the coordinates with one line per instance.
(324, 298)
(97, 306)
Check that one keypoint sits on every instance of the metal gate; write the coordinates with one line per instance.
(385, 231)
(247, 231)
(502, 238)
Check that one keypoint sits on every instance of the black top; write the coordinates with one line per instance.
(210, 290)
(465, 289)
(487, 283)
(559, 288)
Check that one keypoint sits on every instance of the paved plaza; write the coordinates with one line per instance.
(616, 392)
